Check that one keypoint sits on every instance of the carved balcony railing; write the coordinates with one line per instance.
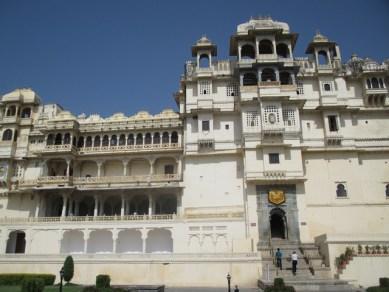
(269, 83)
(59, 148)
(95, 180)
(24, 220)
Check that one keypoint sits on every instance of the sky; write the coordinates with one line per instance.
(109, 56)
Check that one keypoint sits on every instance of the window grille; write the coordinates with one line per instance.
(274, 158)
(205, 87)
(289, 117)
(252, 119)
(232, 89)
(271, 109)
(300, 88)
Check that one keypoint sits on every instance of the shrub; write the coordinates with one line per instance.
(33, 285)
(384, 282)
(17, 278)
(90, 289)
(279, 286)
(68, 269)
(103, 281)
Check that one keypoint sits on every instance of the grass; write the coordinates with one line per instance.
(47, 289)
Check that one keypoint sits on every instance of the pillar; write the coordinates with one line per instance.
(179, 204)
(65, 203)
(68, 162)
(150, 205)
(122, 207)
(38, 205)
(114, 240)
(152, 167)
(144, 237)
(99, 165)
(86, 239)
(95, 211)
(77, 209)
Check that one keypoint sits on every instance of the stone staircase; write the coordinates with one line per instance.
(312, 274)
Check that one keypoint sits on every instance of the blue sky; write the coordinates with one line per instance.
(96, 56)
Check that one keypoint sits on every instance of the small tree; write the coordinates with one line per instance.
(68, 269)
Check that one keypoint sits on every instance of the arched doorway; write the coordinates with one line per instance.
(278, 226)
(16, 242)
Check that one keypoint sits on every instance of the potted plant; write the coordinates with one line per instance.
(378, 248)
(348, 254)
(342, 261)
(367, 250)
(385, 249)
(359, 249)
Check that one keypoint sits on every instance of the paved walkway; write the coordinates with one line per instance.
(208, 289)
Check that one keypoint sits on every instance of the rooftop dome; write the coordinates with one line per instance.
(319, 38)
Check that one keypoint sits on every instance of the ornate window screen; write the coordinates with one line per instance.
(205, 87)
(252, 119)
(289, 117)
(271, 110)
(232, 89)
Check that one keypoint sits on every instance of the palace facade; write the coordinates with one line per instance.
(266, 149)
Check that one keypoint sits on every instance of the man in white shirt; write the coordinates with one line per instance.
(294, 262)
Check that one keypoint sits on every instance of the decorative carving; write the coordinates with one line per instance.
(276, 197)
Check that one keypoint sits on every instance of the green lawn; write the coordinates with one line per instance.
(47, 289)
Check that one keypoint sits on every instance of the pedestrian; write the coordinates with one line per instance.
(294, 262)
(279, 259)
(236, 288)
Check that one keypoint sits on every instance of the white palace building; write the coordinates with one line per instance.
(266, 150)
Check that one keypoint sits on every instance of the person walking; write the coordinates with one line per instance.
(294, 262)
(279, 259)
(236, 288)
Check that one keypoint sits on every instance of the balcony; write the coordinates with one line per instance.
(272, 130)
(66, 148)
(324, 68)
(10, 119)
(102, 181)
(129, 148)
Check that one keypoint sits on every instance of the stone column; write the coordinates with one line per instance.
(179, 167)
(150, 204)
(64, 206)
(38, 205)
(77, 209)
(114, 240)
(179, 204)
(68, 162)
(86, 239)
(96, 209)
(99, 165)
(152, 167)
(122, 207)
(101, 209)
(144, 238)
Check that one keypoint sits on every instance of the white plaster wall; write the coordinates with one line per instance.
(129, 241)
(18, 205)
(44, 242)
(213, 181)
(366, 270)
(113, 168)
(88, 168)
(159, 166)
(139, 167)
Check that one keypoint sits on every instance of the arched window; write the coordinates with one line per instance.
(139, 139)
(7, 135)
(374, 83)
(26, 112)
(50, 139)
(204, 61)
(285, 78)
(327, 87)
(322, 58)
(66, 139)
(88, 142)
(97, 141)
(341, 190)
(58, 139)
(368, 83)
(165, 138)
(250, 79)
(16, 135)
(282, 51)
(122, 140)
(130, 140)
(157, 138)
(387, 190)
(11, 111)
(247, 52)
(265, 47)
(105, 140)
(268, 75)
(80, 143)
(114, 140)
(381, 83)
(174, 137)
(148, 138)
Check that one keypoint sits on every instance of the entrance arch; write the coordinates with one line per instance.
(278, 226)
(16, 242)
